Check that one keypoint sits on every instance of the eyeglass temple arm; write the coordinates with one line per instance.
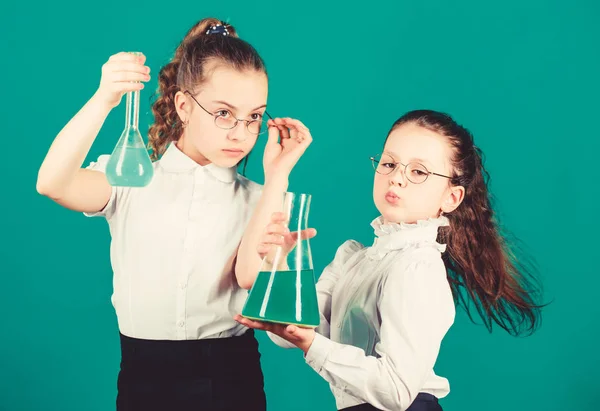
(439, 175)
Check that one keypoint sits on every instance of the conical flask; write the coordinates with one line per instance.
(284, 290)
(129, 164)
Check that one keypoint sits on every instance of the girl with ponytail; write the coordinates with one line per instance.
(386, 308)
(183, 247)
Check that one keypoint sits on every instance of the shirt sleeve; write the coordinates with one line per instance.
(325, 286)
(416, 310)
(110, 207)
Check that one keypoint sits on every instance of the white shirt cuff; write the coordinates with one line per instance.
(318, 352)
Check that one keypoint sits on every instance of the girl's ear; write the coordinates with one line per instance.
(183, 107)
(455, 196)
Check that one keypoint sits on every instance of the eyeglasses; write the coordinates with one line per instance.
(416, 173)
(225, 120)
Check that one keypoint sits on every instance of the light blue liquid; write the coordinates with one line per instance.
(129, 167)
(129, 164)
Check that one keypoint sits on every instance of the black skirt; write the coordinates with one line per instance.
(423, 402)
(221, 374)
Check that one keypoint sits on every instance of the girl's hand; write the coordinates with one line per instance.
(278, 234)
(123, 72)
(300, 337)
(282, 154)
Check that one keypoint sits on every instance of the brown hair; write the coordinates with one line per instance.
(478, 257)
(187, 70)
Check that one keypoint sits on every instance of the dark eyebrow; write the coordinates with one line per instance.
(234, 107)
(225, 104)
(412, 160)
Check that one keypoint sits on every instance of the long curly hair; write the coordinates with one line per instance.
(483, 267)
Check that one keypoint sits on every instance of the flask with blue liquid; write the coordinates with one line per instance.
(129, 164)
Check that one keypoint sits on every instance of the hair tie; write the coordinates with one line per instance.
(219, 28)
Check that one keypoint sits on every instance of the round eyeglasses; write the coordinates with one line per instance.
(415, 172)
(225, 120)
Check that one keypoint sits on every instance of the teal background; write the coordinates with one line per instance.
(522, 75)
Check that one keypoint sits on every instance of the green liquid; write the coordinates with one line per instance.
(288, 297)
(130, 167)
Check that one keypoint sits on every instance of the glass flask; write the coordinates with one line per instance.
(284, 290)
(129, 164)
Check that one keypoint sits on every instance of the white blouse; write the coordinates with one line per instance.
(173, 249)
(384, 312)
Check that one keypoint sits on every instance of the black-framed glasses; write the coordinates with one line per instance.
(415, 172)
(225, 120)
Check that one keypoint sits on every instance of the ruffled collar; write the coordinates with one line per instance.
(397, 236)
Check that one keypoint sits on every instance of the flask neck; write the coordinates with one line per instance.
(132, 110)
